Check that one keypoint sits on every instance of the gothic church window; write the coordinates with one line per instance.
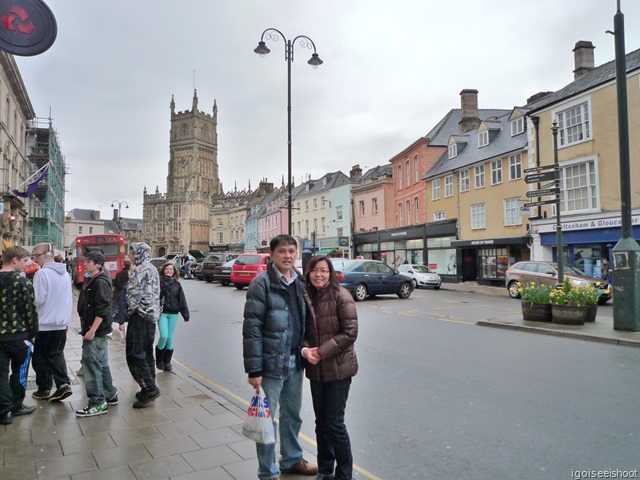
(184, 130)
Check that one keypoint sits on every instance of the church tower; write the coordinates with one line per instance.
(179, 220)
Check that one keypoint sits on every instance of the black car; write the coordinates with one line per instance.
(222, 273)
(365, 278)
(213, 260)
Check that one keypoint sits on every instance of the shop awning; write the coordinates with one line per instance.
(325, 251)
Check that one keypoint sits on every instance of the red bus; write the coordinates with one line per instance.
(110, 245)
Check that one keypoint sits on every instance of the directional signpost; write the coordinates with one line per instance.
(540, 177)
(540, 168)
(542, 192)
(540, 203)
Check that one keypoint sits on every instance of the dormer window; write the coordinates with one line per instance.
(453, 150)
(517, 126)
(483, 139)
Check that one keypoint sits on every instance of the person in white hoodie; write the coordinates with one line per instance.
(54, 298)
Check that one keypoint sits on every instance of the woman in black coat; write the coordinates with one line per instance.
(173, 301)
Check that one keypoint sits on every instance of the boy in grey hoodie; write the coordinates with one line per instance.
(52, 285)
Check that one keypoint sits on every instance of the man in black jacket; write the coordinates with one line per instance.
(94, 308)
(18, 327)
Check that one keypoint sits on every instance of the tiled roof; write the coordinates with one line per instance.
(448, 126)
(84, 215)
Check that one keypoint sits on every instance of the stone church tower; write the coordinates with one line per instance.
(179, 220)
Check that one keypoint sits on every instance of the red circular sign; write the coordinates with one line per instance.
(27, 27)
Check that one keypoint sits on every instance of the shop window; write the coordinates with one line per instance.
(493, 262)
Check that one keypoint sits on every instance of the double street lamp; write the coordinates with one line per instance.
(315, 61)
(120, 203)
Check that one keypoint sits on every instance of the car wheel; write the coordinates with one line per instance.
(208, 279)
(602, 301)
(513, 289)
(225, 284)
(238, 286)
(437, 287)
(414, 282)
(361, 292)
(405, 291)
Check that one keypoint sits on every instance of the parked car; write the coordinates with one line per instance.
(179, 262)
(547, 273)
(222, 273)
(370, 278)
(213, 260)
(158, 262)
(171, 255)
(420, 275)
(247, 267)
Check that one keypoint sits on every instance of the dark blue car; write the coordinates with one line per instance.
(365, 278)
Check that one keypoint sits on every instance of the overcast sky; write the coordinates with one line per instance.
(392, 70)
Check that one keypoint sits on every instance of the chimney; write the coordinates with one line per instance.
(583, 58)
(356, 173)
(469, 103)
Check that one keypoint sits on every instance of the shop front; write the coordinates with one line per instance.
(487, 260)
(586, 241)
(428, 244)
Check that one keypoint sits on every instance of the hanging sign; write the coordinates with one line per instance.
(27, 27)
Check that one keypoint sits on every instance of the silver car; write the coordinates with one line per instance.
(421, 275)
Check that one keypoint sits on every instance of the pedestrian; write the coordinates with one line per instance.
(18, 328)
(54, 299)
(173, 301)
(332, 329)
(604, 269)
(143, 311)
(94, 308)
(273, 330)
(117, 300)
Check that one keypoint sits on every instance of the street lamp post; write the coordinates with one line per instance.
(315, 61)
(120, 203)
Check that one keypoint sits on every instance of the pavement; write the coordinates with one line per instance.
(191, 432)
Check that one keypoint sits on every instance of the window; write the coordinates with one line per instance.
(306, 227)
(407, 169)
(453, 150)
(400, 215)
(306, 205)
(299, 228)
(578, 188)
(517, 126)
(439, 216)
(416, 168)
(573, 124)
(90, 230)
(464, 180)
(315, 203)
(315, 225)
(435, 189)
(220, 223)
(220, 238)
(479, 177)
(80, 230)
(399, 177)
(416, 210)
(339, 212)
(496, 172)
(408, 212)
(512, 212)
(478, 217)
(361, 206)
(515, 167)
(374, 206)
(483, 139)
(448, 186)
(340, 232)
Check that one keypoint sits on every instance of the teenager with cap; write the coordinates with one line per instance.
(94, 308)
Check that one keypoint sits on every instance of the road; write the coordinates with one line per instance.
(438, 397)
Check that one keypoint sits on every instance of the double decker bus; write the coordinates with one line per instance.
(110, 245)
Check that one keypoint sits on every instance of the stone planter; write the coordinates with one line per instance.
(592, 311)
(536, 312)
(568, 315)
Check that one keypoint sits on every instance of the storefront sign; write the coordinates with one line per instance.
(612, 222)
(399, 234)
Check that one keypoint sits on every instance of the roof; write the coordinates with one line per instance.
(377, 173)
(111, 227)
(439, 135)
(605, 73)
(333, 180)
(501, 143)
(131, 224)
(84, 215)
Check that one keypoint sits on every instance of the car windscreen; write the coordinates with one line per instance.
(249, 260)
(422, 269)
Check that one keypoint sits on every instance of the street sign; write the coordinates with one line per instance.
(540, 177)
(542, 192)
(541, 202)
(540, 168)
(27, 27)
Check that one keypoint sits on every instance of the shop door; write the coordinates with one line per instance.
(469, 265)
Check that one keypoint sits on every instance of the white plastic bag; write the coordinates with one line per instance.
(258, 426)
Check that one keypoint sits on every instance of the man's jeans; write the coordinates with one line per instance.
(48, 359)
(15, 354)
(334, 446)
(288, 395)
(97, 375)
(139, 349)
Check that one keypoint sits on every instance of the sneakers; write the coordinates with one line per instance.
(93, 411)
(113, 400)
(61, 393)
(6, 419)
(41, 394)
(146, 397)
(24, 410)
(303, 467)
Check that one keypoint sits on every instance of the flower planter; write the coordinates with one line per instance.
(568, 315)
(592, 311)
(536, 312)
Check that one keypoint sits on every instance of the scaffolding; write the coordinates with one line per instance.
(45, 222)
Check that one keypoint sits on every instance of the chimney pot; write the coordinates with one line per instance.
(469, 103)
(583, 58)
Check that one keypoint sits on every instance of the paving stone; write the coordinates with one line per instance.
(23, 470)
(214, 422)
(151, 416)
(246, 449)
(10, 437)
(183, 427)
(134, 435)
(213, 438)
(16, 454)
(111, 457)
(55, 432)
(195, 411)
(211, 457)
(247, 469)
(159, 468)
(218, 473)
(102, 423)
(162, 447)
(120, 472)
(65, 465)
(86, 443)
